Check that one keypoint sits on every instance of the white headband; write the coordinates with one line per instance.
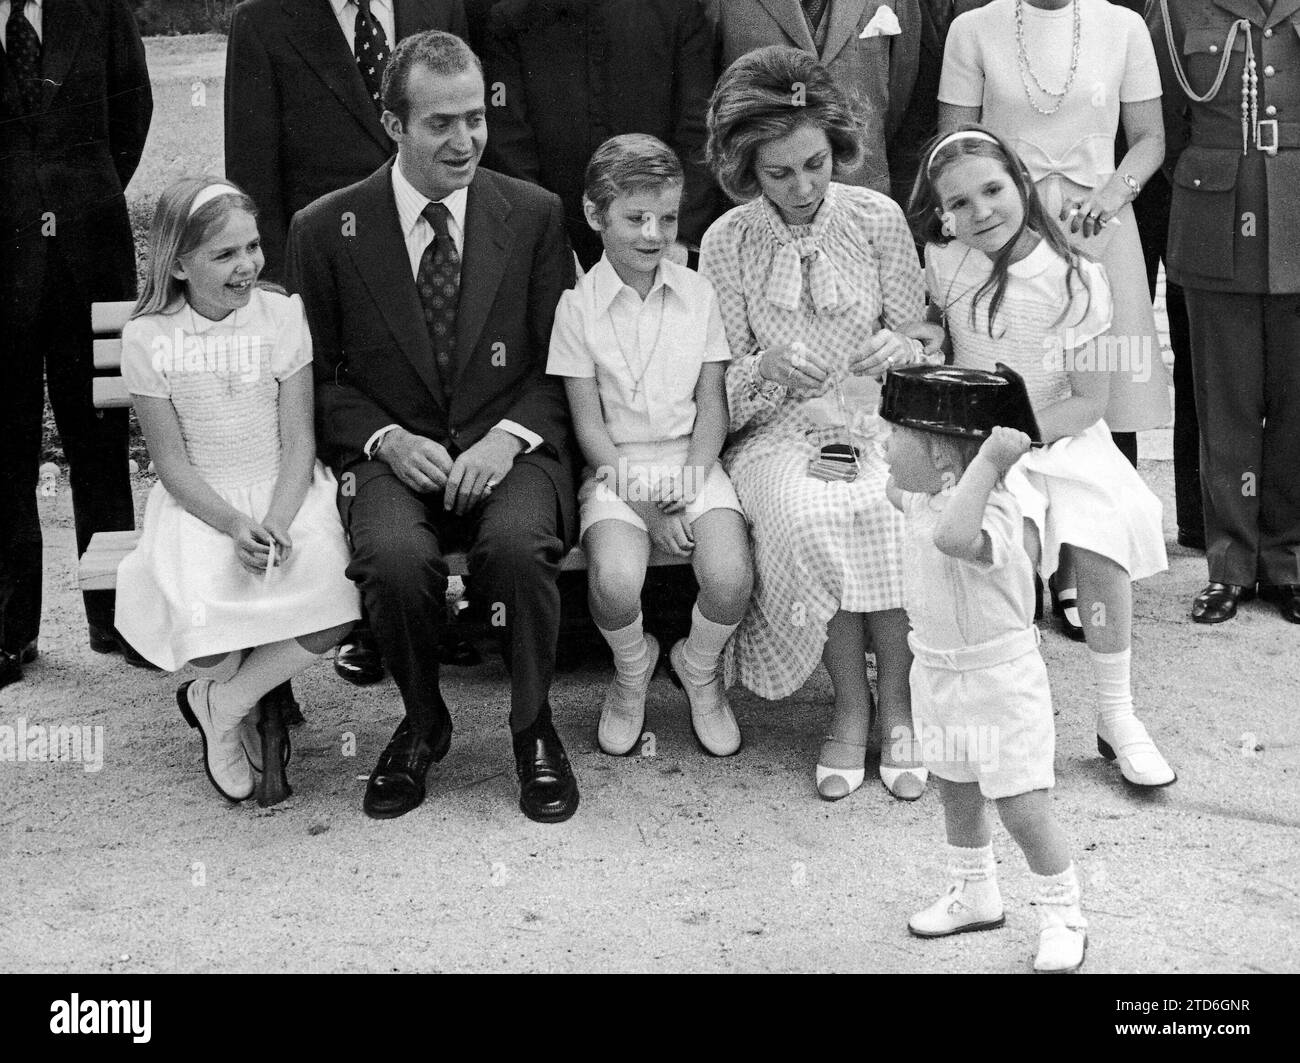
(961, 134)
(208, 194)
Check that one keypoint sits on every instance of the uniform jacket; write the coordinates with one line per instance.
(63, 169)
(879, 70)
(1234, 221)
(299, 121)
(374, 363)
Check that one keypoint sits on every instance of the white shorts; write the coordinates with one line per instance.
(642, 468)
(984, 715)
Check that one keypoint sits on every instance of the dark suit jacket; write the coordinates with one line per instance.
(67, 165)
(374, 363)
(299, 121)
(878, 71)
(569, 74)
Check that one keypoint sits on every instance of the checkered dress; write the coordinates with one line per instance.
(818, 547)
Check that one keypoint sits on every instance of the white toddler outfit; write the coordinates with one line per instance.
(182, 592)
(979, 684)
(645, 356)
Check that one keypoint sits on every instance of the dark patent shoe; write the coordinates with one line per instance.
(1286, 596)
(358, 660)
(548, 792)
(1218, 602)
(1060, 605)
(397, 784)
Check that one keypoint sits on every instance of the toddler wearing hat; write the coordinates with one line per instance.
(979, 686)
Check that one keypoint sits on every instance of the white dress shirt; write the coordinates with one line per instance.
(418, 234)
(33, 13)
(346, 12)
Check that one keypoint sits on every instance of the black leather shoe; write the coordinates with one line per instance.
(397, 784)
(548, 792)
(1286, 596)
(1192, 540)
(103, 639)
(358, 659)
(11, 668)
(1059, 606)
(290, 711)
(1218, 602)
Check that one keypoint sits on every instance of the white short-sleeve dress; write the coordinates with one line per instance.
(182, 593)
(819, 547)
(1078, 490)
(1072, 151)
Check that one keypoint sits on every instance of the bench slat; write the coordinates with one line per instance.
(108, 354)
(109, 393)
(108, 318)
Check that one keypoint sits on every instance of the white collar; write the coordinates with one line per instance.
(237, 318)
(411, 202)
(606, 283)
(339, 5)
(1034, 263)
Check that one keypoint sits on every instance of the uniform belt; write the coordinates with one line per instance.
(1288, 136)
(985, 655)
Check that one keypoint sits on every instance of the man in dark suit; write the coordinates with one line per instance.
(303, 120)
(75, 106)
(430, 288)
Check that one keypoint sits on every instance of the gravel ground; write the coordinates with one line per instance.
(674, 861)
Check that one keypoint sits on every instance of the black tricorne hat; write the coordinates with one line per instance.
(958, 402)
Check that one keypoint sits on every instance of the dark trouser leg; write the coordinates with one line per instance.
(22, 401)
(397, 563)
(94, 441)
(1228, 369)
(513, 565)
(1187, 434)
(1279, 497)
(1127, 444)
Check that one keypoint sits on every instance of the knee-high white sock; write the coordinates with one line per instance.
(629, 646)
(264, 669)
(704, 644)
(1114, 686)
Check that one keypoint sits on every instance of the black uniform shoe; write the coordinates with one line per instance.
(358, 659)
(1286, 596)
(397, 784)
(1218, 602)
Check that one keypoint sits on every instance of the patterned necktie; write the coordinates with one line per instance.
(438, 282)
(23, 50)
(813, 11)
(371, 48)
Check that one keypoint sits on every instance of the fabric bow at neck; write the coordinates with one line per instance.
(825, 284)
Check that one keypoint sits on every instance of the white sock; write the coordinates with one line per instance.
(1060, 891)
(1114, 687)
(264, 669)
(972, 865)
(629, 646)
(704, 644)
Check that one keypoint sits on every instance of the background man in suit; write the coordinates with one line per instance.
(1234, 231)
(303, 120)
(75, 106)
(878, 69)
(430, 288)
(573, 73)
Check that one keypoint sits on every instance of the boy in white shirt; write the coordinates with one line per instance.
(641, 346)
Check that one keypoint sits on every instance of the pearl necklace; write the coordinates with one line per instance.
(1024, 66)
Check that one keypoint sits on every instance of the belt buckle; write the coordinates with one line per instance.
(1271, 146)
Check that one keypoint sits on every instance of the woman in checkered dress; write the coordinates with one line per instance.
(813, 278)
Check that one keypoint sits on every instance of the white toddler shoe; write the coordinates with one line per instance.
(966, 907)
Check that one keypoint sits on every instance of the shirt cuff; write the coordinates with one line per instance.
(373, 442)
(531, 439)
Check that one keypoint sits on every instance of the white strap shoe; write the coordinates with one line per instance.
(1061, 949)
(622, 717)
(714, 725)
(966, 907)
(224, 760)
(1140, 762)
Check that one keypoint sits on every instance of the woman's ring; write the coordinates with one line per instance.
(487, 487)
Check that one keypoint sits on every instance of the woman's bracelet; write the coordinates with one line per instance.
(758, 386)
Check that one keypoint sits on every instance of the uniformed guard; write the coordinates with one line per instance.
(1231, 74)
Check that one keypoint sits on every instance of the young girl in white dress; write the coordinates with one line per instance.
(240, 567)
(1011, 289)
(641, 347)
